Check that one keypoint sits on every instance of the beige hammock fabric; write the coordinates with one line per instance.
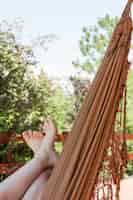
(91, 158)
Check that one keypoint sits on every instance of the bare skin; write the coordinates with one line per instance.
(38, 186)
(18, 184)
(34, 140)
(28, 183)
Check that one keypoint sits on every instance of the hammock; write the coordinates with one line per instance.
(92, 160)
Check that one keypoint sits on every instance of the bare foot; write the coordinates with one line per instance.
(49, 128)
(43, 145)
(33, 139)
(47, 144)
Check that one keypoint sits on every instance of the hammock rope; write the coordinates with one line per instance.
(92, 161)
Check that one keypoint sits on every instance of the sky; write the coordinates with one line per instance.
(65, 19)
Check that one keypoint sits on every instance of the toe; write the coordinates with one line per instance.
(30, 134)
(25, 135)
(40, 134)
(35, 134)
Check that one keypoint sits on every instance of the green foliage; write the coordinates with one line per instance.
(39, 92)
(20, 92)
(129, 117)
(93, 44)
(61, 109)
(26, 99)
(14, 61)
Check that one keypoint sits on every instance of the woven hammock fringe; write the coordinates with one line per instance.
(92, 162)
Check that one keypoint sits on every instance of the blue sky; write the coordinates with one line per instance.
(65, 18)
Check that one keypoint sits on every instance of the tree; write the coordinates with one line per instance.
(93, 43)
(24, 98)
(14, 61)
(129, 117)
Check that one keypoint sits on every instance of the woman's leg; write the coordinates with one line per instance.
(15, 185)
(38, 186)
